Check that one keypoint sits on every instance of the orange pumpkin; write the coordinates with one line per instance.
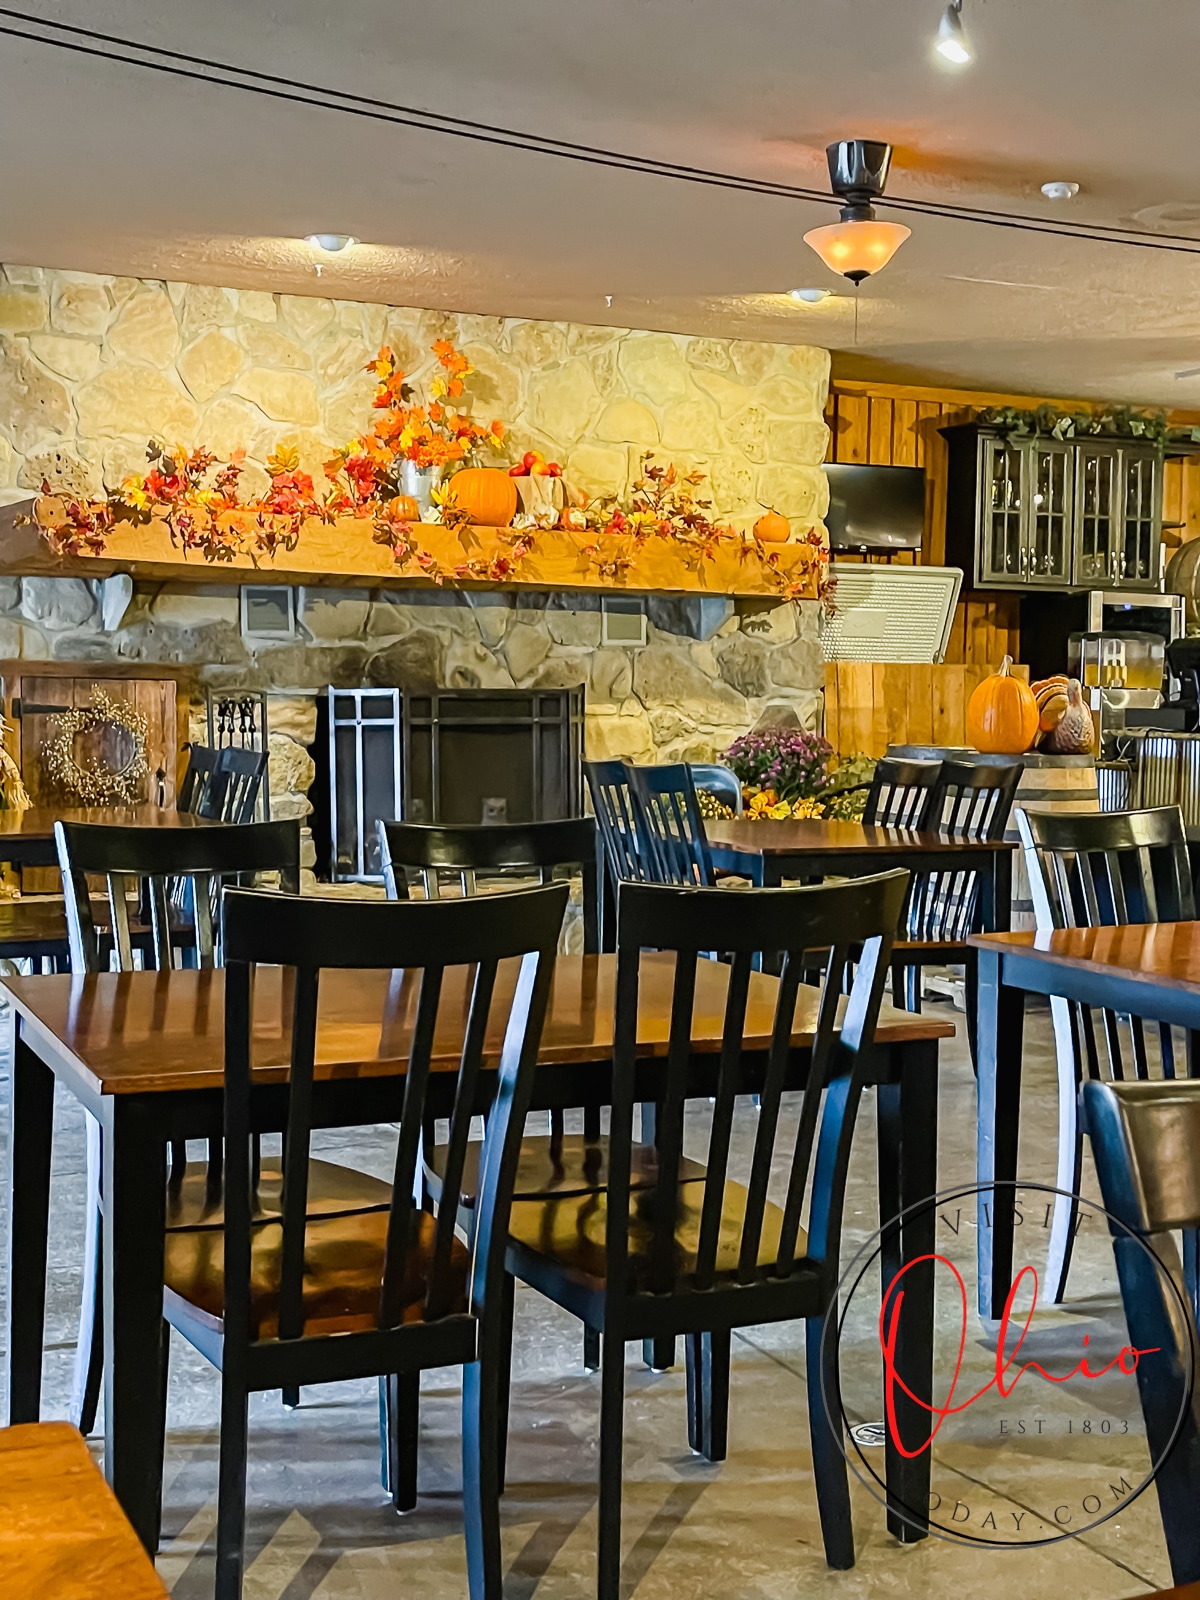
(404, 508)
(1002, 714)
(773, 528)
(486, 494)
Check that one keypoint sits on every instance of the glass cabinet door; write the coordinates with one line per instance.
(1000, 535)
(1096, 540)
(1140, 481)
(1050, 508)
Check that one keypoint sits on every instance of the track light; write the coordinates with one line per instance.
(859, 244)
(952, 42)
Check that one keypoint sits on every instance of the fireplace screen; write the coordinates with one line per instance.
(454, 755)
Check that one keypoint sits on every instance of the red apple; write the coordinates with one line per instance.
(530, 456)
(554, 470)
(539, 469)
(519, 471)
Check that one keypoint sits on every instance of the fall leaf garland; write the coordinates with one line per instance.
(193, 493)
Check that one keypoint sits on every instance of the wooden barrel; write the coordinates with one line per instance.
(1048, 783)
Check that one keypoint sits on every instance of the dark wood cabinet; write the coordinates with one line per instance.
(1032, 512)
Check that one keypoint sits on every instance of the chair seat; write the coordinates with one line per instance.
(570, 1231)
(194, 1201)
(568, 1165)
(343, 1271)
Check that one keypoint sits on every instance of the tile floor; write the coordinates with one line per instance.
(320, 1528)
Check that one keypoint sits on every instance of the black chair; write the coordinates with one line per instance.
(301, 1300)
(470, 850)
(139, 866)
(898, 796)
(238, 784)
(967, 800)
(711, 778)
(1146, 1146)
(674, 843)
(616, 809)
(198, 779)
(1089, 870)
(224, 784)
(500, 849)
(561, 1163)
(703, 1257)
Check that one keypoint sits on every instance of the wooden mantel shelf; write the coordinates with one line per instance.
(344, 553)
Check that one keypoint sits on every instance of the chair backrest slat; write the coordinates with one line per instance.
(669, 1119)
(793, 924)
(408, 1145)
(766, 1133)
(297, 1142)
(728, 1083)
(466, 1089)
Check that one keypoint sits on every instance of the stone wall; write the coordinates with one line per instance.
(91, 367)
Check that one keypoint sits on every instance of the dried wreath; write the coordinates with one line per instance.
(92, 781)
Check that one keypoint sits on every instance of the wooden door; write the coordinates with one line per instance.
(35, 708)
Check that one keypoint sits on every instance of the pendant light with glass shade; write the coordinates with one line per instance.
(859, 244)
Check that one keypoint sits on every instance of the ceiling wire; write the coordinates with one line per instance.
(225, 75)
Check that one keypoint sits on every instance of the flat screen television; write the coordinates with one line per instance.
(875, 508)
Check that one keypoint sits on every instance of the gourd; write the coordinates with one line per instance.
(772, 528)
(1002, 714)
(487, 495)
(1074, 734)
(404, 508)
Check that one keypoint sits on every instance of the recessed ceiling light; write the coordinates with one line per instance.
(811, 297)
(333, 242)
(951, 43)
(1060, 191)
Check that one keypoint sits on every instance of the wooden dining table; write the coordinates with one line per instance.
(1148, 970)
(27, 837)
(769, 852)
(61, 1530)
(144, 1052)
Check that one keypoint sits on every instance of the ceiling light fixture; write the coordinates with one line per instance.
(859, 244)
(1060, 191)
(951, 43)
(811, 297)
(332, 242)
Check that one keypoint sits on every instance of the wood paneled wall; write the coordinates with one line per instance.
(895, 425)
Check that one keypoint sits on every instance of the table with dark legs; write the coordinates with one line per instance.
(143, 1052)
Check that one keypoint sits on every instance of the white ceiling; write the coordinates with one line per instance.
(111, 168)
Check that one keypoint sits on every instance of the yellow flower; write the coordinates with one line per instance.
(133, 492)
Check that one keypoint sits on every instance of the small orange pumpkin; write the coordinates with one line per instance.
(487, 495)
(1002, 714)
(404, 508)
(772, 528)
